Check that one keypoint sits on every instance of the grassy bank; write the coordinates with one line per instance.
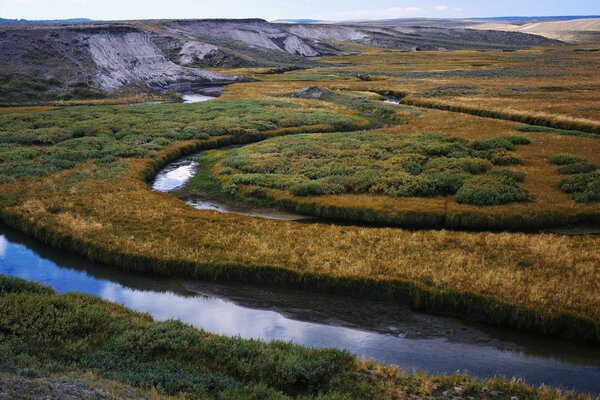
(94, 343)
(526, 118)
(418, 292)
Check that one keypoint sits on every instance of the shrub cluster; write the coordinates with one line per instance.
(17, 89)
(45, 142)
(584, 183)
(415, 165)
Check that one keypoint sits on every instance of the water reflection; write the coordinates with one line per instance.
(170, 298)
(175, 175)
(195, 98)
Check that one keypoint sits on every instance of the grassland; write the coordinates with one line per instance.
(83, 189)
(429, 196)
(88, 348)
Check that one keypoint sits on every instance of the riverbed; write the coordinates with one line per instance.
(384, 332)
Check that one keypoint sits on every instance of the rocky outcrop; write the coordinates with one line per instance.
(170, 54)
(132, 59)
(195, 52)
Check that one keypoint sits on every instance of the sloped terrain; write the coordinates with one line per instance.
(88, 59)
(585, 30)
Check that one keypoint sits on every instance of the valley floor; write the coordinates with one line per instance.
(75, 177)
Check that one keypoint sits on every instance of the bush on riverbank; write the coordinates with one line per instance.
(584, 183)
(42, 333)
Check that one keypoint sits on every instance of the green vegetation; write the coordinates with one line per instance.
(584, 183)
(16, 89)
(545, 129)
(42, 333)
(380, 113)
(565, 159)
(84, 190)
(42, 143)
(411, 165)
(582, 187)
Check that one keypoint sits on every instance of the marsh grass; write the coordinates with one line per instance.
(100, 207)
(414, 165)
(49, 141)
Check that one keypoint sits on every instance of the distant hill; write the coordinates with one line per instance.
(546, 18)
(296, 21)
(585, 30)
(162, 55)
(44, 21)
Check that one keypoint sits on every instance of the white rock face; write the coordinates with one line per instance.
(130, 58)
(294, 45)
(326, 32)
(259, 34)
(192, 52)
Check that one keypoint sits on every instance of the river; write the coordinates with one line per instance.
(384, 332)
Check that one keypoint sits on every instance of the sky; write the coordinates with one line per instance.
(288, 9)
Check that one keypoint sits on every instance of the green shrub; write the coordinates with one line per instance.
(411, 165)
(446, 184)
(493, 143)
(576, 168)
(308, 188)
(413, 168)
(504, 158)
(583, 188)
(537, 128)
(507, 176)
(518, 140)
(467, 165)
(16, 285)
(566, 158)
(487, 191)
(257, 193)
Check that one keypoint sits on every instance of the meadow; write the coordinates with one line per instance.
(76, 178)
(75, 341)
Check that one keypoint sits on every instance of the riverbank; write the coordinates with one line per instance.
(206, 185)
(89, 335)
(383, 332)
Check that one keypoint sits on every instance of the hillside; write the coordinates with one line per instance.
(88, 59)
(585, 30)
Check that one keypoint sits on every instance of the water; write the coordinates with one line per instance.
(202, 94)
(195, 98)
(383, 332)
(175, 175)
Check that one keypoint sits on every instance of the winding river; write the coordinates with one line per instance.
(383, 332)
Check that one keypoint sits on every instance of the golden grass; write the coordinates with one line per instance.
(549, 273)
(123, 223)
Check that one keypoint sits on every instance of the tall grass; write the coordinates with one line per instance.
(536, 120)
